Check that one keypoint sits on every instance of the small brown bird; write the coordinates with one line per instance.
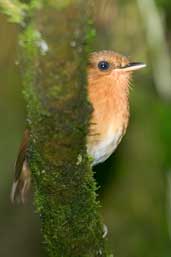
(109, 75)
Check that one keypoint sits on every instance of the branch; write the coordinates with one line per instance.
(158, 45)
(55, 44)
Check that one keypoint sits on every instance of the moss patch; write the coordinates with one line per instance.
(55, 44)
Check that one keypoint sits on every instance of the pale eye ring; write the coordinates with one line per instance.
(103, 65)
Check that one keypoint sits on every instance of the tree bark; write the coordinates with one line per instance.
(56, 39)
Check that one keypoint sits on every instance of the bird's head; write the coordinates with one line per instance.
(108, 66)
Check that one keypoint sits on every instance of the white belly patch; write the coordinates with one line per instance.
(103, 149)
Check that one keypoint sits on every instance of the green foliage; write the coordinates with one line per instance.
(164, 3)
(15, 10)
(164, 115)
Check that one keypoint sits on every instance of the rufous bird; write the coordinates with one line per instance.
(109, 76)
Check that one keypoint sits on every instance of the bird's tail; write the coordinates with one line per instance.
(21, 186)
(22, 178)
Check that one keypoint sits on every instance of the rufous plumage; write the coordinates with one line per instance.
(109, 76)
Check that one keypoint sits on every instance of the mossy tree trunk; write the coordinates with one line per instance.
(55, 42)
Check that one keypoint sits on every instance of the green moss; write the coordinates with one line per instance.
(15, 10)
(58, 117)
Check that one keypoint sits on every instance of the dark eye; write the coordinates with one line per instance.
(103, 65)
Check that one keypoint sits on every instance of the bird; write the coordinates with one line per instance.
(109, 77)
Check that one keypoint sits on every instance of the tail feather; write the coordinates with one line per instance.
(22, 177)
(21, 186)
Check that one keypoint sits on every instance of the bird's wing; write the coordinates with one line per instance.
(22, 177)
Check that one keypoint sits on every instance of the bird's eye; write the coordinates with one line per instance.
(103, 65)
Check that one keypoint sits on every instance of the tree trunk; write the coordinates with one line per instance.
(56, 38)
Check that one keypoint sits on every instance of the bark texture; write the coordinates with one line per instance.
(56, 39)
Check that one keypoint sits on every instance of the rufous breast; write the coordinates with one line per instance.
(109, 118)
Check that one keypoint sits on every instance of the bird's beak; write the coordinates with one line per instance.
(133, 66)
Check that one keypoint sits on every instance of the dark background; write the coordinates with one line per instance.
(135, 183)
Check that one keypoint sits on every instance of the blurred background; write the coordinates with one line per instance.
(135, 183)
